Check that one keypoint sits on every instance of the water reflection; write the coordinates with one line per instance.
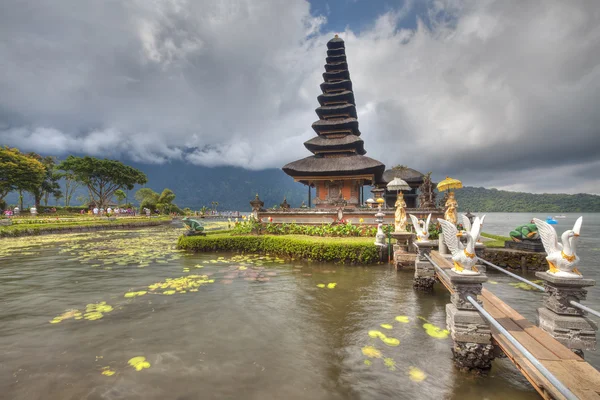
(241, 336)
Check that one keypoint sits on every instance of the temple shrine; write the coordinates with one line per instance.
(338, 168)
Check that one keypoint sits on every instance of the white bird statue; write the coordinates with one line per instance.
(421, 227)
(467, 226)
(561, 256)
(463, 256)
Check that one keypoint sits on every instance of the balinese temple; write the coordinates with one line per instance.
(338, 168)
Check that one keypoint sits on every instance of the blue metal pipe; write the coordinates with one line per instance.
(543, 370)
(538, 287)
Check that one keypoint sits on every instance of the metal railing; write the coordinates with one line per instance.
(538, 287)
(543, 370)
(439, 269)
(584, 308)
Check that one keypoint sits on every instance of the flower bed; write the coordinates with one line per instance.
(332, 249)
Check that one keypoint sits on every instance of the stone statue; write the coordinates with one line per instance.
(464, 257)
(525, 231)
(380, 236)
(400, 215)
(421, 227)
(451, 205)
(427, 194)
(195, 228)
(561, 258)
(284, 206)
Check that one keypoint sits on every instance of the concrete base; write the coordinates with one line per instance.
(403, 260)
(424, 276)
(464, 286)
(575, 332)
(404, 240)
(473, 357)
(560, 291)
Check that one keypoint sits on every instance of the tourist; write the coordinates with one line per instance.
(109, 210)
(95, 211)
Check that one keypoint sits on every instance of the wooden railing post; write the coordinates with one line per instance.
(560, 319)
(472, 349)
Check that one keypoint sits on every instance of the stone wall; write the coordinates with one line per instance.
(516, 259)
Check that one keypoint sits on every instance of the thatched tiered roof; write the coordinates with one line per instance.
(338, 150)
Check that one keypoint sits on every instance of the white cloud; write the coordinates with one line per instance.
(500, 93)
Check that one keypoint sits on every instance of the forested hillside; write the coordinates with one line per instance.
(233, 188)
(493, 200)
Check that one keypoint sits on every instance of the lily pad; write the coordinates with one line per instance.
(435, 332)
(390, 341)
(402, 318)
(386, 326)
(371, 352)
(331, 285)
(416, 375)
(139, 363)
(376, 334)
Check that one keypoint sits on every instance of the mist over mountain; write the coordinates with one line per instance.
(233, 188)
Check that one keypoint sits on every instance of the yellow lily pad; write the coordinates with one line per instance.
(386, 326)
(169, 292)
(108, 372)
(368, 362)
(402, 318)
(135, 294)
(139, 363)
(390, 363)
(331, 285)
(376, 334)
(371, 352)
(416, 375)
(321, 285)
(435, 332)
(390, 341)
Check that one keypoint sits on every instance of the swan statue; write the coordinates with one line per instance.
(468, 228)
(463, 256)
(421, 227)
(561, 258)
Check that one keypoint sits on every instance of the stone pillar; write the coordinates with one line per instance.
(424, 270)
(472, 348)
(560, 319)
(442, 248)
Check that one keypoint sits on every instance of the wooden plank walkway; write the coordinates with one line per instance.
(576, 374)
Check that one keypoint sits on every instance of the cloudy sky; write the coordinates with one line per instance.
(501, 94)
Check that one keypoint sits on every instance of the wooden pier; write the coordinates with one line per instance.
(570, 369)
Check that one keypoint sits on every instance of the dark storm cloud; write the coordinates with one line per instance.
(498, 93)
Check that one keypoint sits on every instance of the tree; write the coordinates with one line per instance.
(203, 210)
(19, 171)
(70, 186)
(148, 198)
(165, 201)
(120, 195)
(102, 177)
(49, 186)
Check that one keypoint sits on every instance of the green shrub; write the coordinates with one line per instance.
(346, 229)
(341, 250)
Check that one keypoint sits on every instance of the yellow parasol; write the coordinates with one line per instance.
(449, 183)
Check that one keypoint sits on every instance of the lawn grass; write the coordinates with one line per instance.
(497, 240)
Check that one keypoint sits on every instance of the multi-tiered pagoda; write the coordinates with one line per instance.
(338, 169)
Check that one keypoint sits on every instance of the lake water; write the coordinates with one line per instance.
(245, 328)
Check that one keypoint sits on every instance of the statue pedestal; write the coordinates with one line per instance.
(404, 241)
(567, 324)
(424, 270)
(473, 349)
(194, 233)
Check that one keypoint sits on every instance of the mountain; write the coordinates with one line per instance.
(234, 187)
(493, 200)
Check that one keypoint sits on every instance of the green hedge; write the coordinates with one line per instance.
(340, 250)
(40, 229)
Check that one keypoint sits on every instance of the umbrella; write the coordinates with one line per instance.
(449, 183)
(398, 184)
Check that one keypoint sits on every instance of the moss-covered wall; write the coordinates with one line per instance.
(516, 259)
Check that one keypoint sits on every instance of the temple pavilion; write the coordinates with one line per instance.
(338, 168)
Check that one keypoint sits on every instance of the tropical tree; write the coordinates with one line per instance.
(165, 201)
(203, 210)
(120, 195)
(102, 177)
(49, 186)
(148, 198)
(19, 172)
(71, 185)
